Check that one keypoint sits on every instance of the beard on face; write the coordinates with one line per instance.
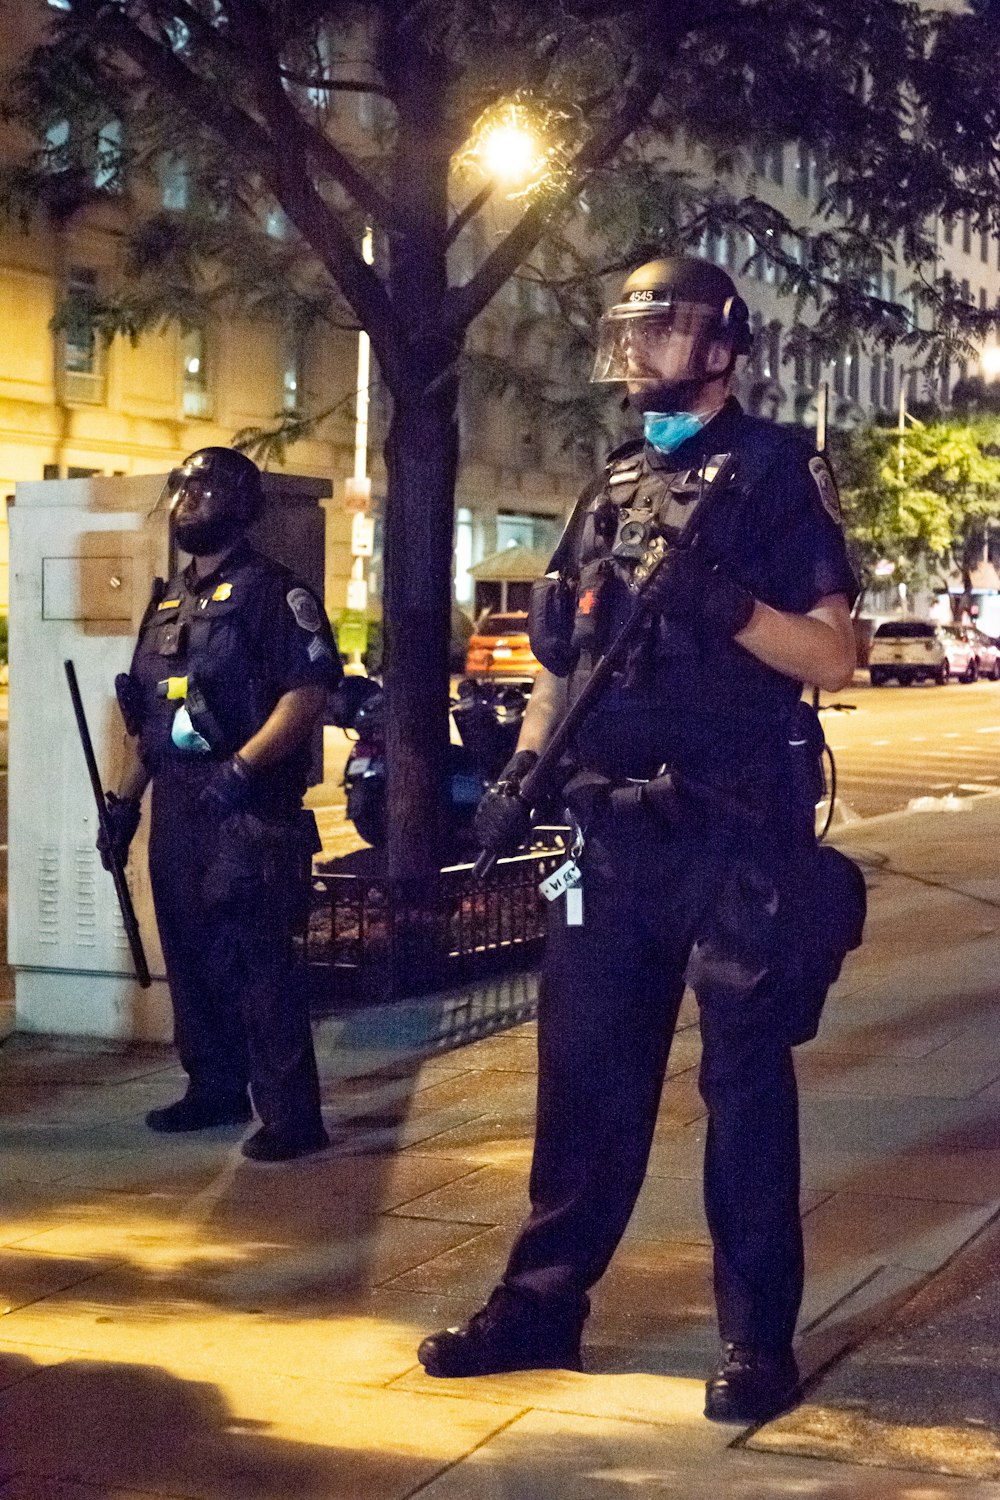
(666, 395)
(207, 534)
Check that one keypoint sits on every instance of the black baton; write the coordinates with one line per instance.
(117, 872)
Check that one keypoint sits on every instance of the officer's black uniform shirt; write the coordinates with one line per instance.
(246, 634)
(691, 700)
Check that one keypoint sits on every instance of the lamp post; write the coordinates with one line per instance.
(357, 498)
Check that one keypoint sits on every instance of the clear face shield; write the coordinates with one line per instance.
(655, 342)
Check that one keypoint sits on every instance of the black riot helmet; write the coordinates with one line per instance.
(679, 295)
(215, 497)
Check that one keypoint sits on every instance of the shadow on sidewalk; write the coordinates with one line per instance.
(115, 1426)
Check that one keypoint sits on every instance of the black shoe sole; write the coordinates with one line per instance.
(724, 1409)
(440, 1371)
(164, 1127)
(292, 1154)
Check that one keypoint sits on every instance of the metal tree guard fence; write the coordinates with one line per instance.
(463, 929)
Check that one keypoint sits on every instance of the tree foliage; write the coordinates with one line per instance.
(648, 110)
(923, 501)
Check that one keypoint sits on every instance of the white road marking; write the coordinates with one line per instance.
(973, 786)
(917, 739)
(989, 729)
(951, 735)
(880, 742)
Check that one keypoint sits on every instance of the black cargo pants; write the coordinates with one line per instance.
(610, 995)
(225, 899)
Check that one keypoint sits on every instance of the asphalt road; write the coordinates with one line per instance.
(901, 743)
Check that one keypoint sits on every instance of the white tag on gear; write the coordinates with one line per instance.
(574, 906)
(565, 878)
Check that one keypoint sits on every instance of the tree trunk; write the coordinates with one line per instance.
(422, 464)
(421, 460)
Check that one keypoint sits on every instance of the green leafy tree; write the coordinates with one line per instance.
(925, 500)
(646, 109)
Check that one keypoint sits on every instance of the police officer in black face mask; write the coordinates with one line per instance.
(693, 792)
(233, 662)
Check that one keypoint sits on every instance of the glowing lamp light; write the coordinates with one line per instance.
(989, 362)
(517, 145)
(512, 153)
(884, 567)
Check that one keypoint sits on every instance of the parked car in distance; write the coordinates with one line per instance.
(915, 650)
(987, 653)
(499, 649)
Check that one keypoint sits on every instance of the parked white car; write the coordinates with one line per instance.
(915, 650)
(987, 653)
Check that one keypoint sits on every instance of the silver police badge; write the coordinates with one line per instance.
(827, 486)
(305, 609)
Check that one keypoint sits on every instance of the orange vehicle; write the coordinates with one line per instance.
(499, 650)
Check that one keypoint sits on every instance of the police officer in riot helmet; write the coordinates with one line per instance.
(691, 788)
(230, 673)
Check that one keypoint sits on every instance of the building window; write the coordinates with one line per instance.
(966, 234)
(983, 304)
(853, 375)
(875, 381)
(293, 373)
(759, 159)
(889, 386)
(776, 166)
(948, 225)
(839, 366)
(195, 356)
(800, 367)
(108, 167)
(175, 183)
(964, 289)
(277, 224)
(802, 169)
(984, 247)
(771, 363)
(539, 533)
(82, 351)
(464, 585)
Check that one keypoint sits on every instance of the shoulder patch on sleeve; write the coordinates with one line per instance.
(305, 609)
(827, 487)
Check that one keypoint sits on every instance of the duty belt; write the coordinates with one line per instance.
(672, 797)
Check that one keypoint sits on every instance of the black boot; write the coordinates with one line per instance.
(511, 1332)
(200, 1111)
(751, 1384)
(271, 1143)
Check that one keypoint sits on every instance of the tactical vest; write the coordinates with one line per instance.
(616, 535)
(191, 641)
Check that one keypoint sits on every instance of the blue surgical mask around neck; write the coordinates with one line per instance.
(666, 430)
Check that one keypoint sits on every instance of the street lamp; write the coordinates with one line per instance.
(989, 362)
(517, 145)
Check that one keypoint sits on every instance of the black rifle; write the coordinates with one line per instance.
(117, 872)
(542, 781)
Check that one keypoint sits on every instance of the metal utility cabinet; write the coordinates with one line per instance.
(83, 554)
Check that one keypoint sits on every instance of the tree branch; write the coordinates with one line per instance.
(284, 118)
(469, 212)
(464, 303)
(333, 85)
(278, 166)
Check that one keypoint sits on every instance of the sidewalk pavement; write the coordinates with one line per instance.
(181, 1322)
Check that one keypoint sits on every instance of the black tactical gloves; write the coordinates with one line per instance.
(229, 790)
(122, 817)
(503, 821)
(687, 586)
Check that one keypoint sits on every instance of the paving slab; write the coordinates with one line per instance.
(925, 1391)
